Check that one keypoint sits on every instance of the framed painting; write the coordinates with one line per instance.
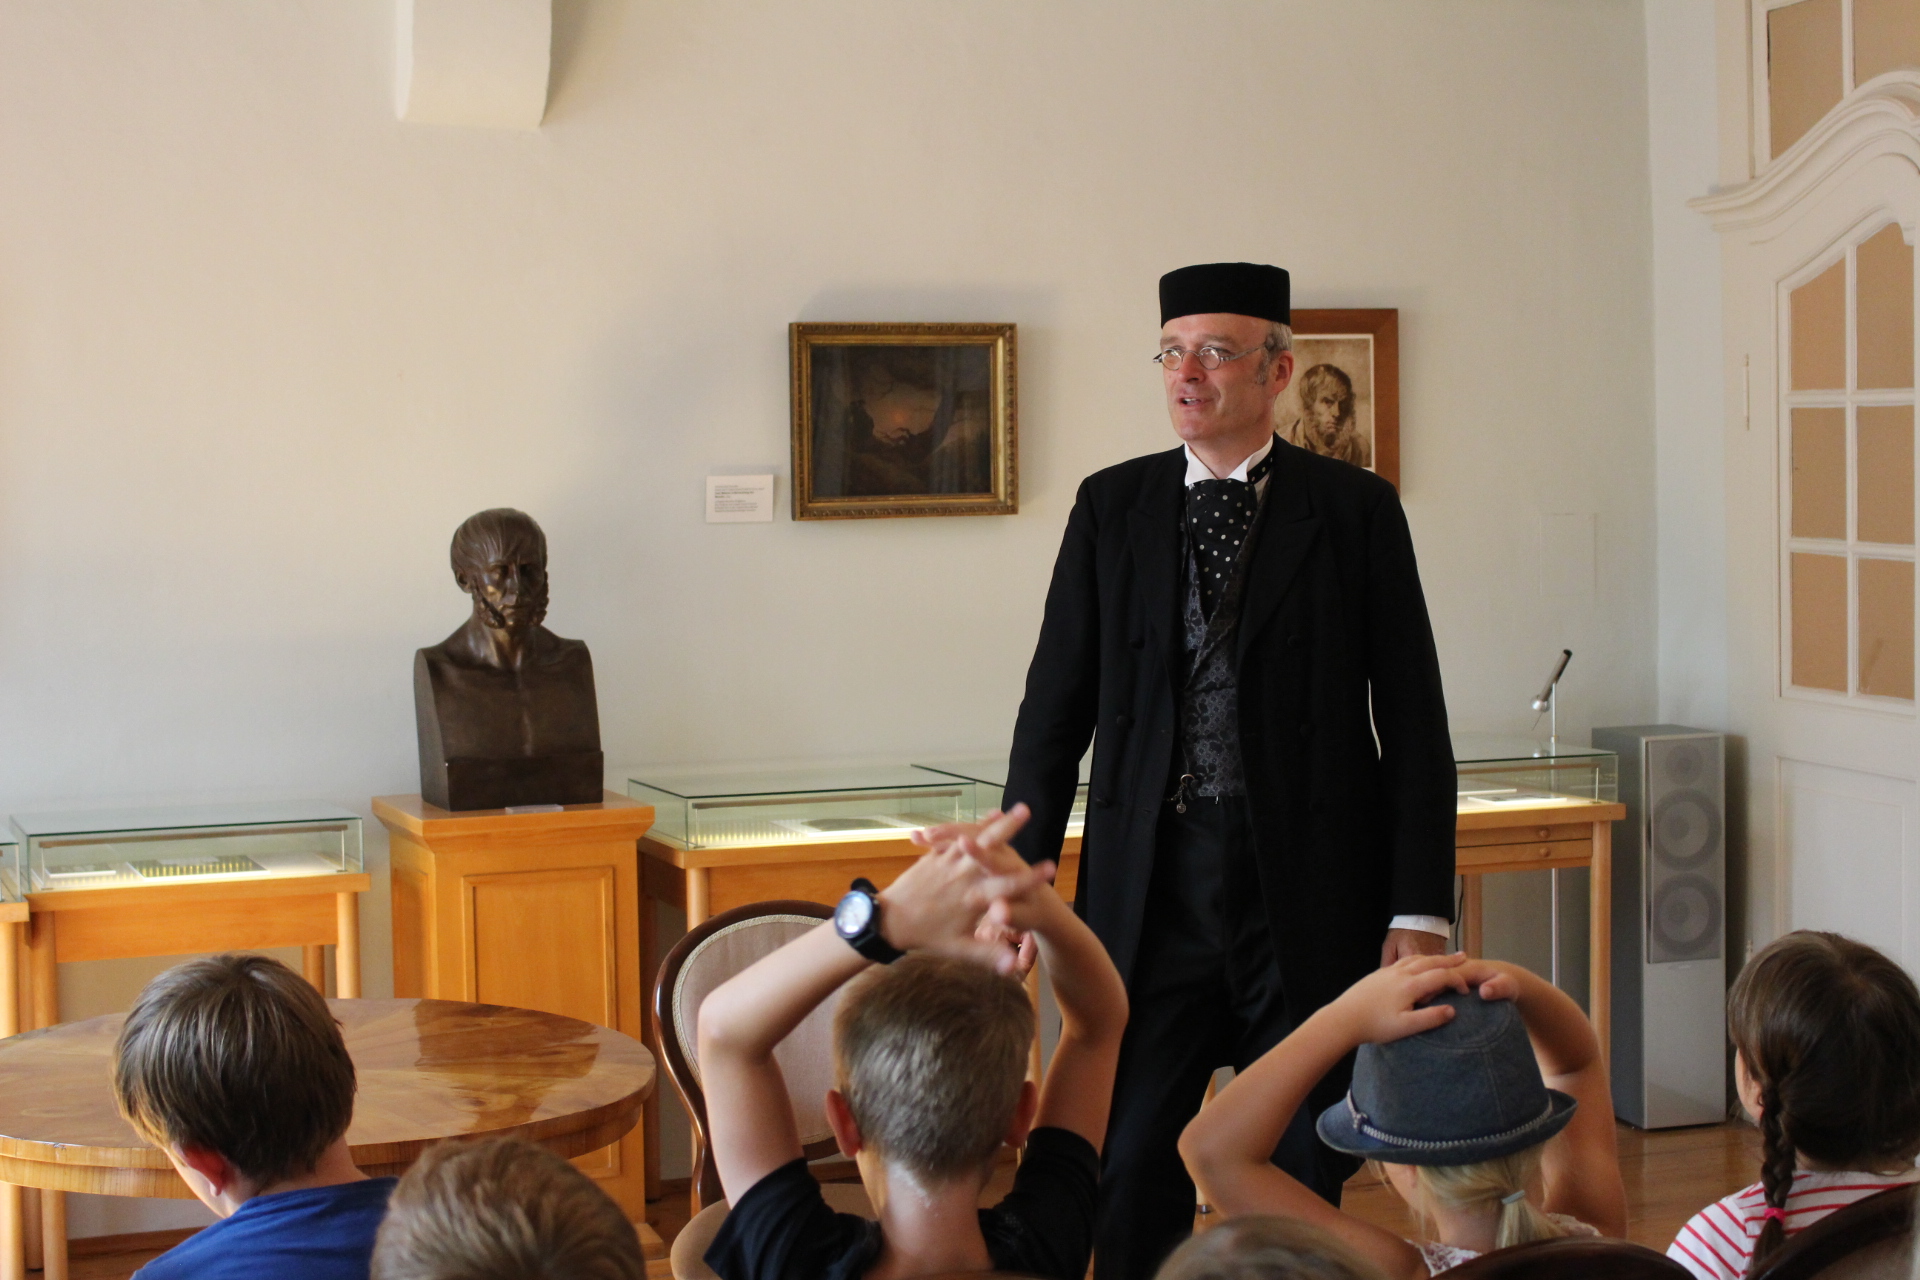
(902, 420)
(1344, 400)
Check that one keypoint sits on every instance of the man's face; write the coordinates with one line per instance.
(1235, 400)
(510, 593)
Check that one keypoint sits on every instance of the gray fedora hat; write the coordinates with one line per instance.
(1466, 1091)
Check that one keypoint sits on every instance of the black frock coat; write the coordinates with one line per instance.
(1332, 622)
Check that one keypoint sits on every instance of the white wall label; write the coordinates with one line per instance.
(739, 499)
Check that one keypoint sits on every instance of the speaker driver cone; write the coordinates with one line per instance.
(1686, 830)
(1686, 918)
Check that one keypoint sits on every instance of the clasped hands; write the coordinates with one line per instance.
(972, 895)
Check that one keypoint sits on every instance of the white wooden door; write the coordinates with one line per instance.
(1819, 276)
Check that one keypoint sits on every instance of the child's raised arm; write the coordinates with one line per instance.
(935, 905)
(1229, 1146)
(1078, 1088)
(1581, 1164)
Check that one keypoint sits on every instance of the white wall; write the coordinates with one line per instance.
(1688, 371)
(262, 347)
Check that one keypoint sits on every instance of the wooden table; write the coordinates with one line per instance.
(1545, 837)
(241, 914)
(428, 1070)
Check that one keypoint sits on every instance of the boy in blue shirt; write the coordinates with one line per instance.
(235, 1068)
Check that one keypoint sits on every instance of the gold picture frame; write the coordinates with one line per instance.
(903, 420)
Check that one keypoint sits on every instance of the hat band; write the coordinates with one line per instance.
(1361, 1122)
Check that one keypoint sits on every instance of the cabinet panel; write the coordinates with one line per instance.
(544, 940)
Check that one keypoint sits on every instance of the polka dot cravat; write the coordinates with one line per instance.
(1219, 518)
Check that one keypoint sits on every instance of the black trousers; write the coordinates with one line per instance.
(1205, 994)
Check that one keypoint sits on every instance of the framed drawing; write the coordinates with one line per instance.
(1344, 400)
(902, 420)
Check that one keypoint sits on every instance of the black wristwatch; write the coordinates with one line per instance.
(857, 919)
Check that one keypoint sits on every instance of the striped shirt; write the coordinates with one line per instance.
(1717, 1244)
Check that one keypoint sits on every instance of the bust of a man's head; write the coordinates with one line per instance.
(500, 559)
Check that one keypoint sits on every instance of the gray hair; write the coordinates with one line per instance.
(1279, 338)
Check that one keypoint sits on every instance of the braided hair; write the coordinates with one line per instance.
(1829, 1029)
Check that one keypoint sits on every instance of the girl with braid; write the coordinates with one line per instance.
(1826, 1037)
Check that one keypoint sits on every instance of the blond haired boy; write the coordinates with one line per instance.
(930, 1058)
(501, 1209)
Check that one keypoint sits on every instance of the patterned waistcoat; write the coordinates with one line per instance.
(1210, 698)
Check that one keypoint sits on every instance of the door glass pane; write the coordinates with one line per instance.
(1886, 628)
(1883, 289)
(1884, 436)
(1819, 473)
(1886, 34)
(1819, 620)
(1819, 319)
(1803, 67)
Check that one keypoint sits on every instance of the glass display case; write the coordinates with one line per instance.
(1495, 772)
(9, 869)
(988, 774)
(116, 848)
(711, 809)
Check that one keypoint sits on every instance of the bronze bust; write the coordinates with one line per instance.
(505, 708)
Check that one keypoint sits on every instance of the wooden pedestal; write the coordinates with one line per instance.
(533, 910)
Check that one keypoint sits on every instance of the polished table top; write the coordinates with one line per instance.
(428, 1070)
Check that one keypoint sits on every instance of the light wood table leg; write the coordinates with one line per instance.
(649, 1035)
(697, 899)
(43, 972)
(346, 951)
(10, 936)
(53, 1230)
(13, 1257)
(1600, 953)
(1470, 915)
(313, 967)
(30, 1226)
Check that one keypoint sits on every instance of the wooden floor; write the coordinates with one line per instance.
(1670, 1176)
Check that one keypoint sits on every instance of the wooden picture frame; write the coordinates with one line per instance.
(1363, 345)
(903, 420)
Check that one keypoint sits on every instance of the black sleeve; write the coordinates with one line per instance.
(1061, 704)
(1044, 1226)
(782, 1229)
(1410, 717)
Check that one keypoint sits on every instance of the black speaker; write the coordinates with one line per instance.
(1669, 925)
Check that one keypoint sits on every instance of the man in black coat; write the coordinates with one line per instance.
(1238, 626)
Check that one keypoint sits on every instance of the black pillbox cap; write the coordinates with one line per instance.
(1239, 288)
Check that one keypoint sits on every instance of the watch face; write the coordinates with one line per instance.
(853, 915)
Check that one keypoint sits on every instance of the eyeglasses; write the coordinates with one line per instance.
(1210, 357)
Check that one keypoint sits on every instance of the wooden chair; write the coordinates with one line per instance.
(711, 953)
(1867, 1240)
(1582, 1256)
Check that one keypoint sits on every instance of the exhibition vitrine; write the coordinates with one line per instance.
(121, 848)
(714, 809)
(1497, 772)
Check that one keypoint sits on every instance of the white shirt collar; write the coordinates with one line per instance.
(1197, 470)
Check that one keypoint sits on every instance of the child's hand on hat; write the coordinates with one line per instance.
(1386, 1004)
(1494, 981)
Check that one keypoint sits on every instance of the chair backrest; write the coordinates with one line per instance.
(712, 952)
(1868, 1239)
(1582, 1256)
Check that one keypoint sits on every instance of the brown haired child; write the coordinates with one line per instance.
(234, 1066)
(1826, 1038)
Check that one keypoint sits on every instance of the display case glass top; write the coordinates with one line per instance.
(989, 776)
(717, 808)
(1494, 772)
(120, 848)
